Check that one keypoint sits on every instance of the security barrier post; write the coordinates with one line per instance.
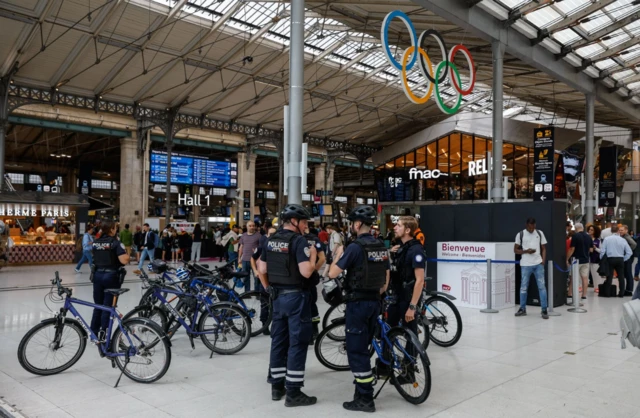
(550, 310)
(489, 308)
(576, 280)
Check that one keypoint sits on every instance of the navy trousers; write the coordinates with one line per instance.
(103, 280)
(291, 332)
(361, 319)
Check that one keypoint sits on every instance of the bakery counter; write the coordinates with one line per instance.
(41, 253)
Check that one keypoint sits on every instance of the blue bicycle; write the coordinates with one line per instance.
(138, 346)
(400, 354)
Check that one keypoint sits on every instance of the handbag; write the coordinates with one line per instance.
(603, 268)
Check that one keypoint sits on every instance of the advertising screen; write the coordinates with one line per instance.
(193, 170)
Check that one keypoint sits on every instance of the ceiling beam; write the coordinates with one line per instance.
(31, 144)
(600, 35)
(574, 19)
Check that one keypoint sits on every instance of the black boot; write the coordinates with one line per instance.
(277, 392)
(295, 397)
(360, 403)
(315, 333)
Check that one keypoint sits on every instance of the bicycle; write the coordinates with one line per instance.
(222, 320)
(440, 315)
(135, 341)
(397, 348)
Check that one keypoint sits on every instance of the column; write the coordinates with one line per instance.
(130, 183)
(497, 48)
(246, 182)
(590, 202)
(296, 101)
(323, 180)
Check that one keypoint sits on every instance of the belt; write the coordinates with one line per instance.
(107, 270)
(286, 291)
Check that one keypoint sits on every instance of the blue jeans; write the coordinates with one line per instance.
(233, 256)
(636, 294)
(637, 269)
(86, 256)
(527, 271)
(246, 266)
(143, 255)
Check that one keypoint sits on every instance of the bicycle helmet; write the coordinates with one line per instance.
(150, 267)
(182, 273)
(363, 213)
(294, 211)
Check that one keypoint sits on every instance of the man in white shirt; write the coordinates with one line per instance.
(606, 232)
(531, 245)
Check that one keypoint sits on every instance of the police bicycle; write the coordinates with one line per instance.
(137, 346)
(398, 350)
(223, 327)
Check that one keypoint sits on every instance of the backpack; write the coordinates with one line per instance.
(630, 323)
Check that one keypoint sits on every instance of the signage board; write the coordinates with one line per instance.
(543, 149)
(607, 177)
(186, 169)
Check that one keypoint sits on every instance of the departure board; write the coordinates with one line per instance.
(186, 169)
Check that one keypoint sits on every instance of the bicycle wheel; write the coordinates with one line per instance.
(256, 302)
(423, 333)
(153, 313)
(38, 353)
(150, 354)
(332, 313)
(411, 373)
(444, 321)
(227, 329)
(331, 347)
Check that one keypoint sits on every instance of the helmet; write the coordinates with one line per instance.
(363, 213)
(294, 211)
(150, 267)
(332, 292)
(182, 273)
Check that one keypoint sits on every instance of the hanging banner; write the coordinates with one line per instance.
(607, 177)
(543, 148)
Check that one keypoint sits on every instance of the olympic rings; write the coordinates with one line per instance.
(445, 69)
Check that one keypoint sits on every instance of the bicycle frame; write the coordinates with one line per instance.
(68, 307)
(229, 292)
(202, 299)
(379, 345)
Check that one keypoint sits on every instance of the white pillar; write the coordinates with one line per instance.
(130, 183)
(246, 182)
(319, 178)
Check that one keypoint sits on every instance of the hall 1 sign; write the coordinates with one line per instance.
(544, 149)
(607, 177)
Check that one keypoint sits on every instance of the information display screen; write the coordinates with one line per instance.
(198, 171)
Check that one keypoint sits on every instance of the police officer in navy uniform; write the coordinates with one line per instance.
(109, 255)
(407, 276)
(314, 241)
(286, 264)
(367, 265)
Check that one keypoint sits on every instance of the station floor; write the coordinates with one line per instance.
(567, 366)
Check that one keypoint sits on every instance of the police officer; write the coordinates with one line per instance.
(367, 265)
(109, 255)
(407, 276)
(287, 263)
(314, 241)
(264, 298)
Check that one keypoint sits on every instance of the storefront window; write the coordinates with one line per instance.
(480, 153)
(466, 153)
(443, 166)
(521, 172)
(507, 160)
(455, 167)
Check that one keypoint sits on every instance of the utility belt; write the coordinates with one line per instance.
(275, 292)
(121, 271)
(355, 296)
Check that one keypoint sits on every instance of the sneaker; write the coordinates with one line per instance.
(584, 298)
(266, 332)
(521, 312)
(137, 272)
(298, 398)
(545, 314)
(277, 392)
(360, 404)
(76, 270)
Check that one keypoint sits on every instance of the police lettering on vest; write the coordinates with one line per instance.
(105, 252)
(371, 274)
(282, 266)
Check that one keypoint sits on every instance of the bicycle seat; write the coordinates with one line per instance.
(116, 292)
(240, 274)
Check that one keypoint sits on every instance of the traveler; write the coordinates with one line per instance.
(217, 239)
(126, 238)
(628, 264)
(109, 257)
(607, 231)
(87, 247)
(184, 242)
(175, 246)
(137, 242)
(147, 247)
(196, 246)
(594, 257)
(247, 245)
(407, 276)
(531, 244)
(367, 265)
(286, 264)
(314, 241)
(167, 245)
(617, 251)
(230, 243)
(581, 248)
(323, 236)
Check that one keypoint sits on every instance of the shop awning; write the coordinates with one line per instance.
(41, 198)
(95, 204)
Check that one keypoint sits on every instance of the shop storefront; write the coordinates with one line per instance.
(40, 227)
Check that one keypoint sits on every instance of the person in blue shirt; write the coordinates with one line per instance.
(87, 247)
(367, 263)
(286, 264)
(618, 251)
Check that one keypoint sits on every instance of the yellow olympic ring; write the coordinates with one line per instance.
(405, 83)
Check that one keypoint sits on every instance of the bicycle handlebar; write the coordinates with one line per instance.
(61, 289)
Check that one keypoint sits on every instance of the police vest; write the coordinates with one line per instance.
(315, 276)
(104, 253)
(371, 274)
(404, 273)
(282, 267)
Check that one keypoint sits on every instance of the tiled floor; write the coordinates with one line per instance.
(502, 367)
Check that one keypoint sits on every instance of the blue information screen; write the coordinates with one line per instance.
(193, 170)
